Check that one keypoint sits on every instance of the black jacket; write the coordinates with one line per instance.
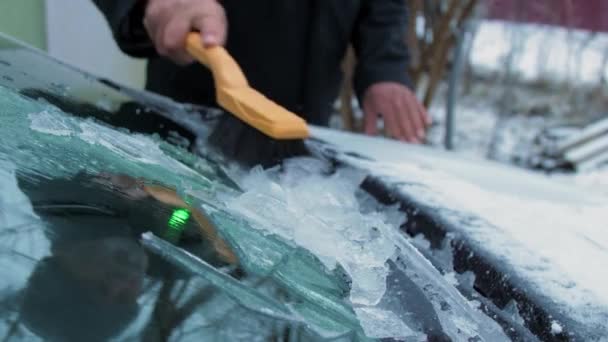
(290, 50)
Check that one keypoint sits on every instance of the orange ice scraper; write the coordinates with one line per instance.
(234, 94)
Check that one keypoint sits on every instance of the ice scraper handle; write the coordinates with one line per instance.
(234, 94)
(226, 71)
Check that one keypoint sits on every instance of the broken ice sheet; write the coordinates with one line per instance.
(378, 323)
(48, 123)
(48, 132)
(321, 214)
(368, 283)
(319, 211)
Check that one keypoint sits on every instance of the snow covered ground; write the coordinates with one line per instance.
(480, 131)
(596, 180)
(534, 52)
(503, 112)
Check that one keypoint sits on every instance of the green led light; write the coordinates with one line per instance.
(177, 223)
(179, 218)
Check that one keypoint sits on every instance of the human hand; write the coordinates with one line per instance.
(404, 116)
(169, 21)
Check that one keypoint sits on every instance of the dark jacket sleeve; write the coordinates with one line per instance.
(380, 44)
(125, 18)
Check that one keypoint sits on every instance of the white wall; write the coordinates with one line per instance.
(78, 34)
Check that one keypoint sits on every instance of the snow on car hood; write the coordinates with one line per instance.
(552, 235)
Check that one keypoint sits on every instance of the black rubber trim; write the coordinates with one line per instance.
(494, 281)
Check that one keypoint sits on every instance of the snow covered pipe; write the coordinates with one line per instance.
(463, 43)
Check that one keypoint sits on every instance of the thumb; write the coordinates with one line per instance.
(213, 29)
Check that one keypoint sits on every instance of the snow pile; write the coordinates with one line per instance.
(593, 181)
(596, 180)
(556, 328)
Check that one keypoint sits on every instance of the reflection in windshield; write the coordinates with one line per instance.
(92, 284)
(88, 287)
(86, 292)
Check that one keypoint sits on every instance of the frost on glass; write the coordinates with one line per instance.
(21, 244)
(315, 263)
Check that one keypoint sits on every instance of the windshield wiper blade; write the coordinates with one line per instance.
(72, 209)
(249, 298)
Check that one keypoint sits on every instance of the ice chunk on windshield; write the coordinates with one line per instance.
(379, 323)
(315, 209)
(321, 214)
(46, 122)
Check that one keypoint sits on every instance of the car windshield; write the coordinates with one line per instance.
(108, 232)
(76, 196)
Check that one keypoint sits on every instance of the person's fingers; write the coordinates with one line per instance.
(401, 130)
(173, 40)
(391, 125)
(415, 116)
(158, 35)
(168, 23)
(156, 16)
(371, 119)
(404, 119)
(428, 120)
(212, 26)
